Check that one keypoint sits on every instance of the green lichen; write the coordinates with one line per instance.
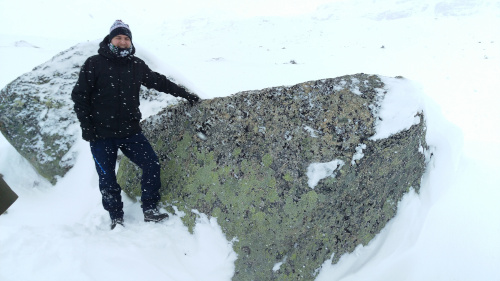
(19, 103)
(236, 152)
(287, 177)
(267, 160)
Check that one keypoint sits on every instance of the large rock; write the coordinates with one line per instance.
(36, 111)
(293, 174)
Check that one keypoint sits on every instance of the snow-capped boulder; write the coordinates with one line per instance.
(295, 175)
(36, 111)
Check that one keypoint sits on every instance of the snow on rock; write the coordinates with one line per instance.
(359, 153)
(319, 171)
(400, 108)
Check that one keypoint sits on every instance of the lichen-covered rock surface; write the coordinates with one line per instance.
(36, 111)
(253, 160)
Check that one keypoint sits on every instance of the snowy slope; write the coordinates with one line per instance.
(450, 48)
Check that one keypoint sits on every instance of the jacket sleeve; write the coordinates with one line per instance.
(160, 83)
(81, 96)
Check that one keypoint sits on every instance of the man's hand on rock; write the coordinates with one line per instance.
(192, 99)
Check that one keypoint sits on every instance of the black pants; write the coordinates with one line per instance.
(140, 152)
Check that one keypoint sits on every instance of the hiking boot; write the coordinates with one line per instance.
(154, 215)
(115, 222)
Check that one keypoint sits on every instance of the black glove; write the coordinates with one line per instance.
(88, 134)
(192, 99)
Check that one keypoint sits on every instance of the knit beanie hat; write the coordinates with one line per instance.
(119, 28)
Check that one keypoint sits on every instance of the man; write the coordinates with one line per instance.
(106, 99)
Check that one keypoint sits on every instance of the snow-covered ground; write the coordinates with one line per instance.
(450, 49)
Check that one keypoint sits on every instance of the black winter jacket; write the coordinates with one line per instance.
(106, 95)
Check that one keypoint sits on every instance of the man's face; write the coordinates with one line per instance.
(121, 41)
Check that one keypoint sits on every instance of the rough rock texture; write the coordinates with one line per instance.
(245, 158)
(36, 111)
